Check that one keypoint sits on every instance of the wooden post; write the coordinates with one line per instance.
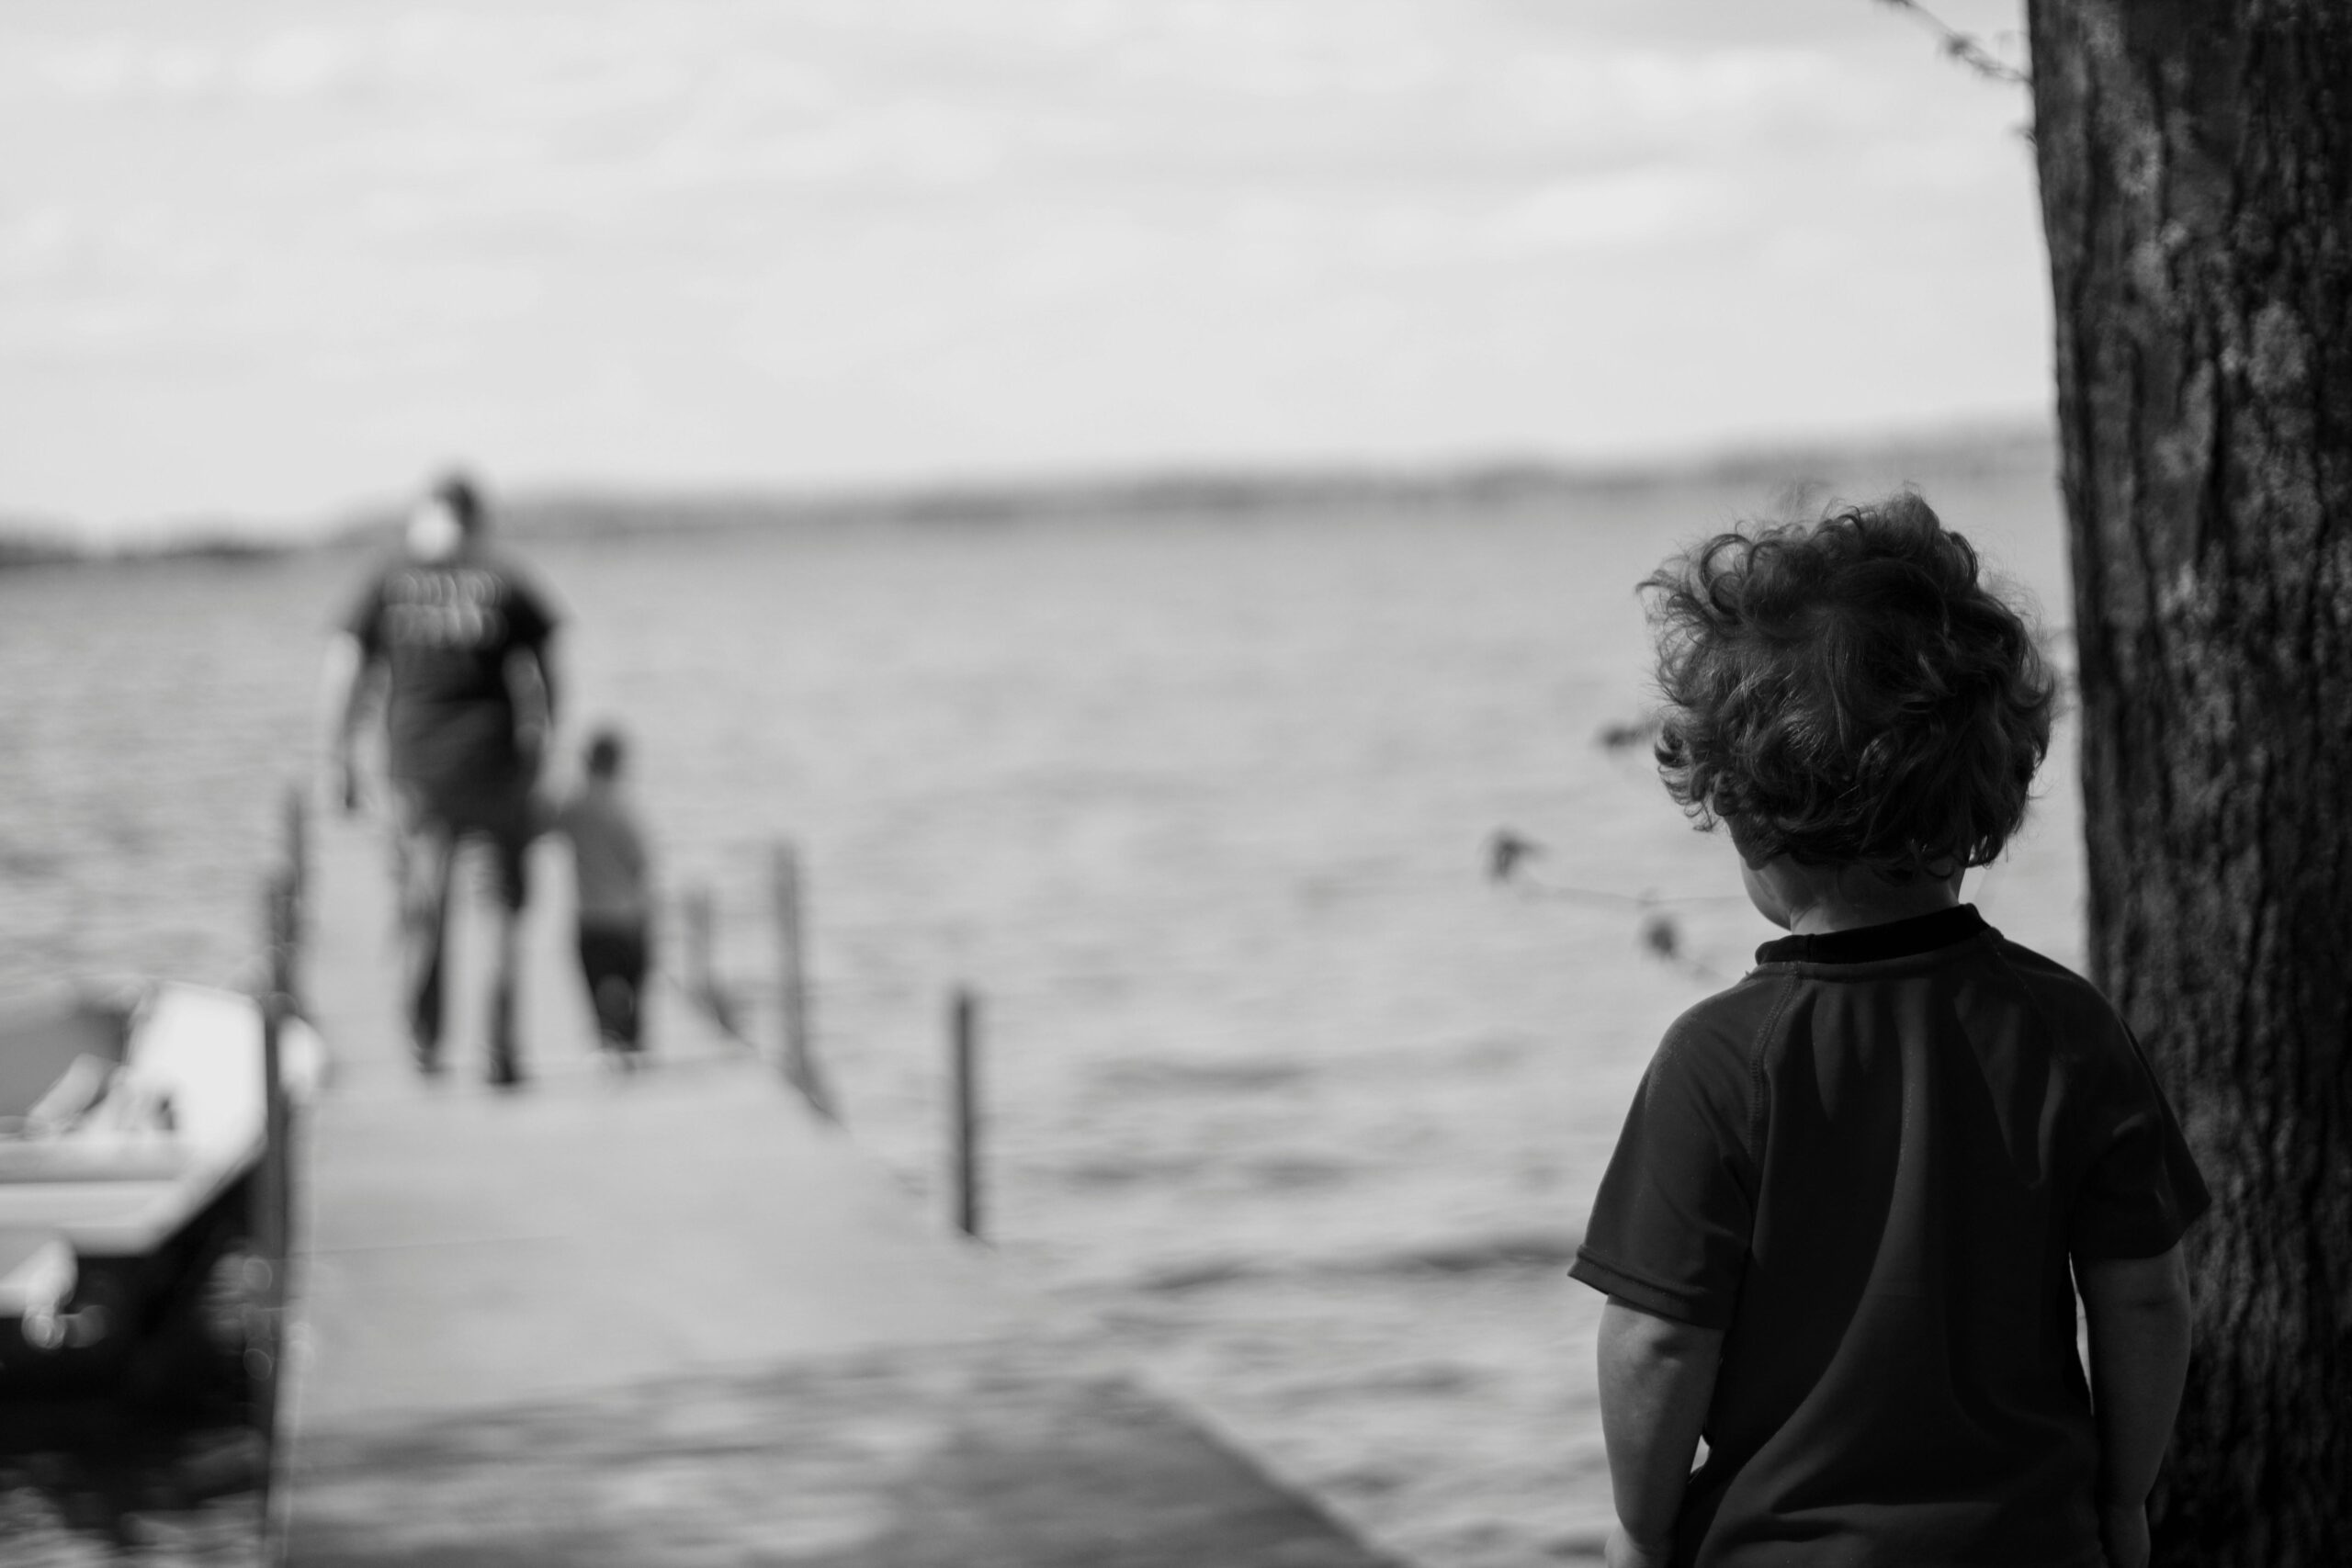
(964, 1036)
(700, 918)
(798, 1053)
(297, 854)
(272, 1190)
(277, 1005)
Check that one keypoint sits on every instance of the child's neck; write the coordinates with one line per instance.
(1810, 900)
(1883, 904)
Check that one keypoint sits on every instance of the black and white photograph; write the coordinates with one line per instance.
(1175, 784)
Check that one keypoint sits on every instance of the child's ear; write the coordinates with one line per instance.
(1743, 839)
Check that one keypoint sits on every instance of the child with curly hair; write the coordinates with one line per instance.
(1858, 1192)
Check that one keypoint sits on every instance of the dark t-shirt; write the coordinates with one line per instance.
(444, 631)
(1868, 1163)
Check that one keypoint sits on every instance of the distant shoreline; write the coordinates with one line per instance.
(619, 511)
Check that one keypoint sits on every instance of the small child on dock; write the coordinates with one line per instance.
(1858, 1192)
(613, 875)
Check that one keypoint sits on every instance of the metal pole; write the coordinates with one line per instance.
(964, 1032)
(799, 1050)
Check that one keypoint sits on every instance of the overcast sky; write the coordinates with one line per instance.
(275, 257)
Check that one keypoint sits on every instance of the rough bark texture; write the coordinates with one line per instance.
(2195, 161)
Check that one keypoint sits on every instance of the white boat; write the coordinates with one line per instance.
(129, 1143)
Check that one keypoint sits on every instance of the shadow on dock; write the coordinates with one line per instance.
(1034, 1455)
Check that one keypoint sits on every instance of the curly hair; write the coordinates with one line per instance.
(1848, 691)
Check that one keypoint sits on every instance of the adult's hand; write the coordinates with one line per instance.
(1621, 1550)
(344, 779)
(2124, 1531)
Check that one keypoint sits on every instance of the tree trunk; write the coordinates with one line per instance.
(2196, 164)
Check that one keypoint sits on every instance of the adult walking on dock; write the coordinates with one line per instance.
(458, 639)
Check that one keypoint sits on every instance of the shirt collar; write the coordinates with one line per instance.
(1867, 945)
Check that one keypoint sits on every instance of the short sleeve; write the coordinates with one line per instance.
(2142, 1190)
(530, 621)
(1671, 1225)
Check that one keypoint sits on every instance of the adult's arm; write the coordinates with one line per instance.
(530, 685)
(345, 687)
(1658, 1377)
(2137, 1312)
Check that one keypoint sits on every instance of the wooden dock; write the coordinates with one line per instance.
(672, 1317)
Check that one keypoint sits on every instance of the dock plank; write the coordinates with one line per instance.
(673, 1317)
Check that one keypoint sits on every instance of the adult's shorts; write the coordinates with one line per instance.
(504, 814)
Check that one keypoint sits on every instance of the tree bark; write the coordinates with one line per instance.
(2196, 162)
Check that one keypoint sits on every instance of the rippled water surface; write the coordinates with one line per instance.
(1279, 1083)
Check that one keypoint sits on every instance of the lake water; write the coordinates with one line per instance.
(1280, 1086)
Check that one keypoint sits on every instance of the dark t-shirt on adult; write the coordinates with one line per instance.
(1869, 1162)
(445, 631)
